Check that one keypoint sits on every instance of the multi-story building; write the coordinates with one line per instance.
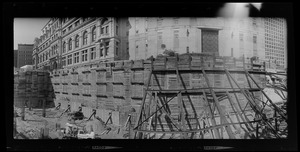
(15, 58)
(220, 36)
(24, 55)
(46, 48)
(275, 41)
(69, 42)
(237, 37)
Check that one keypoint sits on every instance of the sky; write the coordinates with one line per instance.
(26, 29)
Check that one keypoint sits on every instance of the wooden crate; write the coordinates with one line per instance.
(138, 77)
(198, 80)
(219, 81)
(239, 64)
(137, 91)
(109, 75)
(171, 63)
(128, 64)
(109, 103)
(138, 64)
(159, 82)
(171, 81)
(93, 76)
(184, 80)
(101, 76)
(93, 89)
(86, 77)
(80, 77)
(118, 77)
(101, 89)
(109, 89)
(118, 90)
(119, 64)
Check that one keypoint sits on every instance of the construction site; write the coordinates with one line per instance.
(187, 96)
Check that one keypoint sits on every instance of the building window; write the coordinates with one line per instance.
(159, 21)
(76, 57)
(176, 39)
(64, 32)
(64, 47)
(117, 48)
(159, 40)
(106, 29)
(101, 50)
(117, 30)
(102, 30)
(76, 23)
(93, 34)
(69, 59)
(77, 41)
(85, 36)
(176, 20)
(70, 44)
(93, 53)
(70, 28)
(254, 39)
(241, 37)
(63, 61)
(106, 48)
(84, 55)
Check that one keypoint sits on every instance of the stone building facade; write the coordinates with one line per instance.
(69, 42)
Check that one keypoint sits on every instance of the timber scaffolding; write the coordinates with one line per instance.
(175, 94)
(159, 118)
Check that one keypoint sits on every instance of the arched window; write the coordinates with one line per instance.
(64, 47)
(85, 36)
(70, 44)
(77, 41)
(93, 34)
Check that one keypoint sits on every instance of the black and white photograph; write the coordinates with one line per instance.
(220, 77)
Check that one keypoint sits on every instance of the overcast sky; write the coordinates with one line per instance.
(26, 29)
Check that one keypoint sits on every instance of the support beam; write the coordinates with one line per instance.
(144, 99)
(257, 111)
(242, 114)
(219, 108)
(233, 106)
(276, 108)
(211, 116)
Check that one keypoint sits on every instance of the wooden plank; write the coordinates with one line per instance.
(221, 111)
(211, 116)
(243, 115)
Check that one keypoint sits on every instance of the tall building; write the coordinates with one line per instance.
(24, 54)
(15, 58)
(275, 41)
(244, 37)
(69, 42)
(219, 36)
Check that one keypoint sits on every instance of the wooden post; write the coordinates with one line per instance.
(23, 111)
(233, 106)
(139, 117)
(211, 116)
(258, 111)
(44, 107)
(219, 108)
(241, 114)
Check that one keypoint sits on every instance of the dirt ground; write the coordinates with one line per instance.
(31, 127)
